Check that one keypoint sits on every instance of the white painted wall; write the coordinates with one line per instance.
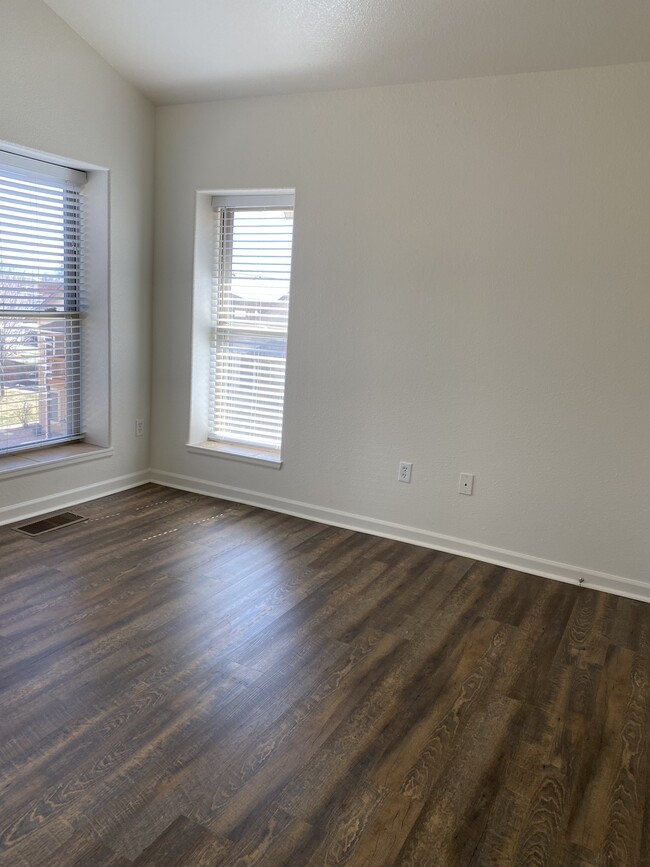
(470, 293)
(58, 96)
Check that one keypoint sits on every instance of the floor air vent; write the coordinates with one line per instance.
(46, 525)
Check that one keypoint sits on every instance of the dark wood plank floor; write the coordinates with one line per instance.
(186, 681)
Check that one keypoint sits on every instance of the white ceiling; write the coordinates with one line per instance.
(192, 50)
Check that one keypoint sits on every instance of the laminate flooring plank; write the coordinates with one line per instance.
(200, 761)
(539, 837)
(266, 764)
(585, 638)
(236, 550)
(323, 612)
(421, 579)
(514, 598)
(267, 837)
(200, 764)
(475, 588)
(28, 749)
(183, 844)
(345, 826)
(453, 819)
(577, 856)
(255, 703)
(546, 774)
(82, 849)
(365, 740)
(27, 592)
(31, 653)
(74, 687)
(644, 857)
(529, 682)
(425, 737)
(293, 561)
(139, 543)
(610, 814)
(631, 625)
(544, 785)
(70, 745)
(536, 637)
(115, 637)
(117, 757)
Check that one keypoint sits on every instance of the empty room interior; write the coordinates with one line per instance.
(324, 414)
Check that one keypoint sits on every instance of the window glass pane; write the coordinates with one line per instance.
(38, 269)
(250, 318)
(249, 373)
(256, 269)
(40, 326)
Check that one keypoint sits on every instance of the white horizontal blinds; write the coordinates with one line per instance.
(41, 278)
(251, 282)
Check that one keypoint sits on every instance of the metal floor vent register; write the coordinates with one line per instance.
(46, 525)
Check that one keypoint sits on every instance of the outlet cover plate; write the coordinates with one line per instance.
(404, 473)
(466, 484)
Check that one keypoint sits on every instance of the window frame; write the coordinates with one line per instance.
(37, 192)
(95, 349)
(203, 335)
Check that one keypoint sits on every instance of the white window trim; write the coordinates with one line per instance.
(42, 166)
(39, 460)
(198, 442)
(96, 361)
(236, 452)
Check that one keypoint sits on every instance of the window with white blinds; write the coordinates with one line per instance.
(250, 311)
(41, 302)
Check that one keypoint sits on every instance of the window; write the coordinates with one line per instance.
(250, 310)
(41, 303)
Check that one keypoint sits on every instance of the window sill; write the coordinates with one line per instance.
(249, 455)
(38, 460)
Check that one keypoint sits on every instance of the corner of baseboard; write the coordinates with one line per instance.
(73, 497)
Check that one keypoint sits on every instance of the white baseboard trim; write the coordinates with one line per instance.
(66, 499)
(615, 584)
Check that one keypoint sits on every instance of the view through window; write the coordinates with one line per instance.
(251, 285)
(41, 278)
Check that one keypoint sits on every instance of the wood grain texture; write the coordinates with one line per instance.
(187, 681)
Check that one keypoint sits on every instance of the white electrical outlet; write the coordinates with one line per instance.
(139, 427)
(404, 474)
(466, 484)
